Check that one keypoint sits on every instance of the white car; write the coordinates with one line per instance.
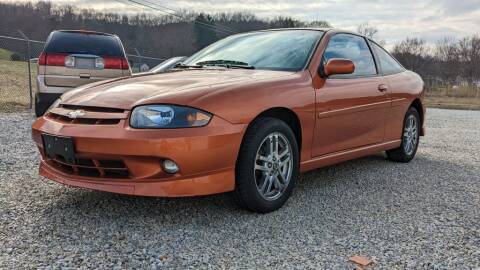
(167, 64)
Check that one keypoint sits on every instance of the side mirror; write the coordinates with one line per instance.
(338, 66)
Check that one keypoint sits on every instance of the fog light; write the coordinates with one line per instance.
(169, 166)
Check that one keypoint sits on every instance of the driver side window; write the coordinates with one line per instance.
(354, 48)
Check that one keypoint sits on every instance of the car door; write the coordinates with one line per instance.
(350, 108)
(399, 85)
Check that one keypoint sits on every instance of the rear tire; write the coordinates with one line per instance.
(410, 138)
(267, 166)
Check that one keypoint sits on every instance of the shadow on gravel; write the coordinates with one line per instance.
(347, 189)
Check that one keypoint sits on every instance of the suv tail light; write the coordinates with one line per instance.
(42, 59)
(53, 59)
(115, 63)
(64, 60)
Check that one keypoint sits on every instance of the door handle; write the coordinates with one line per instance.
(382, 87)
(84, 76)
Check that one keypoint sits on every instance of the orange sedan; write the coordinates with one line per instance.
(244, 115)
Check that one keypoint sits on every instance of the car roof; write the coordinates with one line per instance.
(322, 29)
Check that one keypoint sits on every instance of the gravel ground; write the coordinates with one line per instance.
(421, 215)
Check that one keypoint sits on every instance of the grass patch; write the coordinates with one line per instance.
(14, 90)
(458, 103)
(5, 54)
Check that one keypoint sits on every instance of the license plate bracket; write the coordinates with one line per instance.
(84, 63)
(59, 146)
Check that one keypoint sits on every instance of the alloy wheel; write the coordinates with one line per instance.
(273, 166)
(410, 134)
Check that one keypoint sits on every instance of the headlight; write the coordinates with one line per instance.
(168, 116)
(55, 104)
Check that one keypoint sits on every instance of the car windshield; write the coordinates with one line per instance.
(287, 50)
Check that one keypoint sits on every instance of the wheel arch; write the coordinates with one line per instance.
(286, 115)
(417, 104)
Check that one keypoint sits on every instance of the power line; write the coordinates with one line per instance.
(22, 39)
(214, 26)
(177, 11)
(211, 26)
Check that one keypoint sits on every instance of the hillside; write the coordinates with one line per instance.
(159, 36)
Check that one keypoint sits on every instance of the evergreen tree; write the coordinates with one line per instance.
(203, 33)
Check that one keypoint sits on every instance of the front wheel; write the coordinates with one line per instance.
(267, 166)
(410, 138)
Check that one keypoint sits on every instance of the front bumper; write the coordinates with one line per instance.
(206, 157)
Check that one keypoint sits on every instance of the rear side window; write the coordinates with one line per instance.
(354, 48)
(84, 43)
(388, 65)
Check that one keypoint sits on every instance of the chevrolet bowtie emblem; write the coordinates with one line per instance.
(76, 114)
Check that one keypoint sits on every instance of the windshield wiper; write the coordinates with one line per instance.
(226, 63)
(182, 65)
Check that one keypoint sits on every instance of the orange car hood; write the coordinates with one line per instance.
(177, 87)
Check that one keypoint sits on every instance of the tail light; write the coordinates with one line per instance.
(64, 60)
(125, 64)
(115, 63)
(42, 59)
(54, 59)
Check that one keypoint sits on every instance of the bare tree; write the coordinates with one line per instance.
(446, 58)
(367, 30)
(318, 24)
(469, 57)
(413, 53)
(370, 31)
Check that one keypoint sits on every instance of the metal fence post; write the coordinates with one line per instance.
(29, 69)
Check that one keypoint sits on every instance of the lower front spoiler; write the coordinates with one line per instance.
(215, 182)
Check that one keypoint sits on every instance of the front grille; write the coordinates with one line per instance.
(82, 121)
(92, 109)
(89, 115)
(88, 167)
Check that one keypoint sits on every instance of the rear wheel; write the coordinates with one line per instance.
(410, 138)
(267, 166)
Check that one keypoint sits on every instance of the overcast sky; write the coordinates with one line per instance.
(428, 19)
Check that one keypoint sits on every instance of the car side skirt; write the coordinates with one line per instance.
(341, 156)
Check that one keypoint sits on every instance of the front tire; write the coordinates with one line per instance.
(410, 138)
(267, 166)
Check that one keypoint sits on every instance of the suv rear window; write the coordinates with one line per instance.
(84, 43)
